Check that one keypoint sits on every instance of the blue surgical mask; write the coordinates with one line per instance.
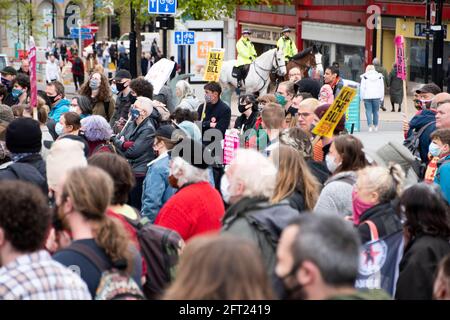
(281, 99)
(114, 89)
(434, 150)
(59, 129)
(134, 113)
(16, 93)
(94, 84)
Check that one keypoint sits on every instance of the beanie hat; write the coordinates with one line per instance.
(65, 154)
(23, 135)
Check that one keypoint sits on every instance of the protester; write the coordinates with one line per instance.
(24, 141)
(27, 272)
(331, 77)
(69, 124)
(134, 143)
(440, 148)
(375, 198)
(24, 67)
(3, 93)
(121, 84)
(220, 268)
(78, 71)
(214, 113)
(52, 70)
(318, 257)
(372, 93)
(284, 95)
(295, 74)
(97, 133)
(156, 188)
(97, 89)
(427, 235)
(395, 89)
(346, 156)
(6, 117)
(273, 121)
(55, 100)
(441, 289)
(307, 119)
(8, 74)
(294, 180)
(185, 96)
(185, 120)
(443, 115)
(81, 206)
(81, 105)
(248, 108)
(326, 94)
(21, 89)
(251, 215)
(301, 142)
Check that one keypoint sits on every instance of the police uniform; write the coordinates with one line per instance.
(289, 47)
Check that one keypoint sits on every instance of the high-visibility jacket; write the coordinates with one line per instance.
(246, 52)
(289, 47)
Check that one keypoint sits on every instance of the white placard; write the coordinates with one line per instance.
(159, 73)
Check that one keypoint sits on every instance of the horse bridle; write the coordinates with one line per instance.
(271, 70)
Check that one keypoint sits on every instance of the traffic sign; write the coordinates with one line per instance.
(162, 6)
(77, 30)
(184, 37)
(84, 36)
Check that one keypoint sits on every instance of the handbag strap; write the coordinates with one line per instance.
(373, 229)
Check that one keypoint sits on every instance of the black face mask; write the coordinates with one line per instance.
(292, 289)
(7, 83)
(132, 98)
(120, 86)
(50, 100)
(243, 107)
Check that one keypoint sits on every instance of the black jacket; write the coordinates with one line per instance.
(248, 123)
(141, 152)
(123, 104)
(319, 170)
(220, 111)
(385, 218)
(418, 267)
(30, 169)
(297, 201)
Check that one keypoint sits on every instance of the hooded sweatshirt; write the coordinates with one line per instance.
(372, 85)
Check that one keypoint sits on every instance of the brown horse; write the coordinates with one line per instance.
(304, 60)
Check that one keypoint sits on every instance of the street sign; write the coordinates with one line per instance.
(184, 37)
(84, 36)
(162, 6)
(83, 30)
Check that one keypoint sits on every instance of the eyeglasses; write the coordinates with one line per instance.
(294, 74)
(304, 114)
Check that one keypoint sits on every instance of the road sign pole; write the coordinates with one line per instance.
(79, 39)
(438, 46)
(165, 42)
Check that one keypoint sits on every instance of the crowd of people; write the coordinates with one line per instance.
(115, 188)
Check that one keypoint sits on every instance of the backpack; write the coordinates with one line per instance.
(379, 261)
(163, 111)
(160, 248)
(114, 284)
(413, 143)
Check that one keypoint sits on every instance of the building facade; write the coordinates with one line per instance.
(347, 29)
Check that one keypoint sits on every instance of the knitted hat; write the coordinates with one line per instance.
(64, 155)
(23, 135)
(6, 114)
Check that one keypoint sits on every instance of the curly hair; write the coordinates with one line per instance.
(104, 91)
(142, 87)
(25, 216)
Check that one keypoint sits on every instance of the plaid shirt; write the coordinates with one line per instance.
(36, 276)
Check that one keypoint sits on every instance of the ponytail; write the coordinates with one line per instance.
(112, 238)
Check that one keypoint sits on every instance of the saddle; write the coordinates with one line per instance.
(241, 72)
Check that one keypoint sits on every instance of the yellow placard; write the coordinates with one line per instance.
(214, 65)
(335, 112)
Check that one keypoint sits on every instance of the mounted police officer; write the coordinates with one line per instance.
(285, 42)
(246, 55)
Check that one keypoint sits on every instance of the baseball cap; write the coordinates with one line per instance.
(429, 88)
(9, 71)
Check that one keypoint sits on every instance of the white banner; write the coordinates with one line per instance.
(159, 73)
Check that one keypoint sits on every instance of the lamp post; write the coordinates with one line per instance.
(133, 62)
(438, 46)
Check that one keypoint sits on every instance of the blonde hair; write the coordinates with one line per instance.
(294, 175)
(256, 172)
(387, 182)
(370, 67)
(311, 104)
(91, 190)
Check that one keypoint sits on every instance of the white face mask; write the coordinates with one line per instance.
(73, 109)
(224, 189)
(331, 163)
(59, 129)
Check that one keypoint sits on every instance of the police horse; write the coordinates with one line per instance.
(258, 77)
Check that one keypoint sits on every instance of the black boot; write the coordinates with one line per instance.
(393, 107)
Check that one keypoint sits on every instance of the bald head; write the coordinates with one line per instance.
(438, 99)
(144, 104)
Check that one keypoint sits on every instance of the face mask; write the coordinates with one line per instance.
(292, 289)
(114, 89)
(94, 84)
(243, 107)
(120, 86)
(208, 98)
(331, 163)
(59, 129)
(359, 207)
(434, 150)
(224, 186)
(16, 93)
(173, 182)
(73, 109)
(50, 100)
(6, 82)
(134, 114)
(281, 99)
(421, 104)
